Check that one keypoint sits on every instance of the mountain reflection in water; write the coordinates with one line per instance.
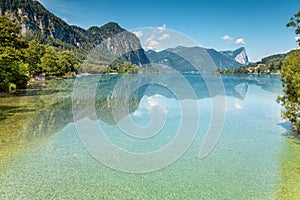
(43, 111)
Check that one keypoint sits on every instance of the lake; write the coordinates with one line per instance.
(52, 145)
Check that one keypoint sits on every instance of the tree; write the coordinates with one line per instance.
(49, 61)
(57, 63)
(13, 70)
(290, 76)
(68, 62)
(33, 54)
(20, 59)
(295, 24)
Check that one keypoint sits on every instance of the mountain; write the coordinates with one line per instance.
(185, 59)
(168, 58)
(239, 55)
(38, 23)
(268, 65)
(35, 19)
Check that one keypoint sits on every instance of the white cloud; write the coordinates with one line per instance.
(153, 45)
(297, 38)
(153, 100)
(149, 39)
(162, 28)
(164, 36)
(137, 113)
(153, 41)
(238, 104)
(227, 38)
(156, 100)
(230, 39)
(138, 34)
(240, 41)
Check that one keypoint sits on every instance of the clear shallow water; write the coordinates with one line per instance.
(245, 164)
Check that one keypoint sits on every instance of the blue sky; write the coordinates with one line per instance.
(259, 25)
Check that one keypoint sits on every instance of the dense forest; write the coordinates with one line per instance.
(22, 57)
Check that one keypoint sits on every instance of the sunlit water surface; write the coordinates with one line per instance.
(245, 164)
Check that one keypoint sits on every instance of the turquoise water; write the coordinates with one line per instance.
(243, 164)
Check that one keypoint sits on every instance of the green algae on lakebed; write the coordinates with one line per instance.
(289, 163)
(15, 117)
(22, 117)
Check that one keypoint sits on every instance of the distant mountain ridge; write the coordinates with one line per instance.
(185, 59)
(239, 55)
(38, 23)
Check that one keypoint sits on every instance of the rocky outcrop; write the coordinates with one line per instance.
(239, 55)
(38, 23)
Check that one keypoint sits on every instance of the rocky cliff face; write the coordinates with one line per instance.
(34, 18)
(38, 23)
(120, 42)
(239, 55)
